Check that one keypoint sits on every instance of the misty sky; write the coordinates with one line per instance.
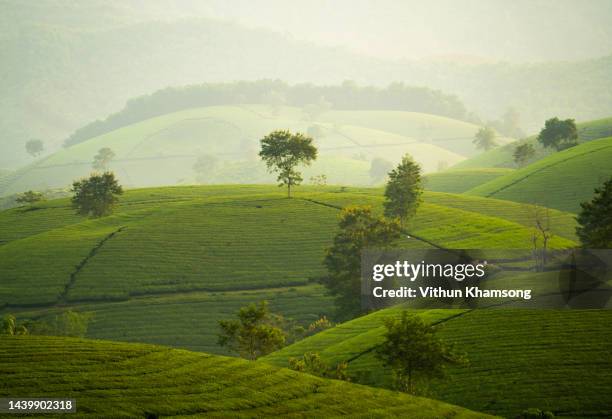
(522, 30)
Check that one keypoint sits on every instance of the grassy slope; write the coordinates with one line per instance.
(502, 156)
(561, 223)
(560, 181)
(180, 256)
(458, 181)
(162, 150)
(558, 360)
(460, 225)
(121, 380)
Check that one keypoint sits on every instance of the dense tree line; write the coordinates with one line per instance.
(347, 96)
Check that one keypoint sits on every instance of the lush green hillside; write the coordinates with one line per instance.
(502, 156)
(458, 181)
(557, 360)
(118, 380)
(163, 150)
(462, 224)
(560, 181)
(561, 223)
(172, 254)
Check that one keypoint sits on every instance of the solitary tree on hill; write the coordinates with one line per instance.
(283, 151)
(595, 219)
(522, 153)
(254, 333)
(541, 234)
(412, 350)
(96, 195)
(404, 189)
(103, 158)
(485, 138)
(34, 147)
(559, 134)
(359, 229)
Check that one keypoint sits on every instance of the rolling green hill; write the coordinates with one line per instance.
(562, 223)
(163, 150)
(458, 181)
(560, 181)
(556, 360)
(113, 379)
(502, 156)
(172, 254)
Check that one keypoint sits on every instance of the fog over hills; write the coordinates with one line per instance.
(67, 63)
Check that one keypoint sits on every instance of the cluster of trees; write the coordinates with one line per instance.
(29, 197)
(312, 363)
(256, 331)
(348, 96)
(413, 351)
(9, 326)
(67, 323)
(360, 228)
(411, 347)
(556, 134)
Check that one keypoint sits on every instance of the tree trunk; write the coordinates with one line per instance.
(289, 189)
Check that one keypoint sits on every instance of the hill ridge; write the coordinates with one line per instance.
(544, 168)
(192, 383)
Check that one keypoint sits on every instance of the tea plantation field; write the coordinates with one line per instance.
(568, 178)
(163, 150)
(110, 379)
(556, 360)
(462, 225)
(561, 223)
(171, 262)
(461, 180)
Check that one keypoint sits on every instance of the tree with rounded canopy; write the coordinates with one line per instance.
(595, 219)
(559, 134)
(359, 229)
(34, 147)
(485, 138)
(412, 350)
(283, 151)
(522, 153)
(404, 189)
(96, 195)
(103, 158)
(254, 333)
